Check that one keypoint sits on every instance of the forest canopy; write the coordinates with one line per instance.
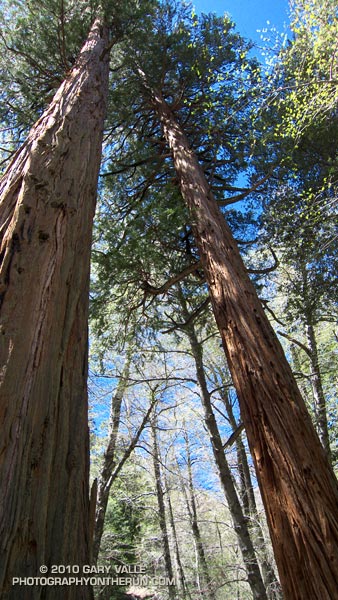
(200, 187)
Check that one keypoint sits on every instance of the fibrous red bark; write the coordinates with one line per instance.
(48, 200)
(297, 484)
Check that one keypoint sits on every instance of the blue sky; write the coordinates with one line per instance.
(249, 15)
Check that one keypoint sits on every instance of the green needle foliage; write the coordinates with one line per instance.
(242, 129)
(142, 238)
(40, 41)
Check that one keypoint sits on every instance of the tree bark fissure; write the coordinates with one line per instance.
(48, 197)
(298, 486)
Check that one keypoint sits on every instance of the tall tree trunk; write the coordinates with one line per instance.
(162, 511)
(110, 473)
(317, 388)
(109, 459)
(297, 484)
(240, 522)
(207, 590)
(308, 306)
(181, 580)
(111, 469)
(247, 495)
(272, 585)
(48, 200)
(297, 369)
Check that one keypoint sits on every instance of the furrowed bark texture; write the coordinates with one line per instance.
(47, 206)
(298, 487)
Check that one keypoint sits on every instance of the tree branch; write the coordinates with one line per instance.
(265, 304)
(191, 317)
(297, 342)
(150, 289)
(234, 199)
(235, 434)
(267, 269)
(133, 443)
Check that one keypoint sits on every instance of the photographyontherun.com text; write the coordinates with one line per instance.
(108, 575)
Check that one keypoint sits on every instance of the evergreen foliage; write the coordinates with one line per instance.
(270, 144)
